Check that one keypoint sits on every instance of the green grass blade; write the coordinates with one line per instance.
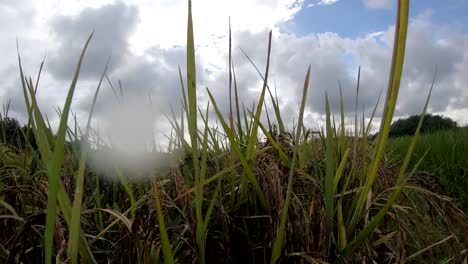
(184, 96)
(128, 189)
(342, 240)
(246, 123)
(205, 149)
(367, 129)
(166, 244)
(54, 172)
(278, 243)
(44, 139)
(401, 181)
(339, 171)
(247, 167)
(253, 133)
(279, 119)
(73, 244)
(231, 117)
(356, 135)
(192, 125)
(329, 164)
(342, 140)
(390, 103)
(238, 110)
(213, 200)
(276, 146)
(267, 115)
(203, 172)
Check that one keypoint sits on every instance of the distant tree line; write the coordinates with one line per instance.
(431, 123)
(13, 134)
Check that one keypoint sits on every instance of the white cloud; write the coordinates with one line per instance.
(379, 4)
(165, 22)
(327, 2)
(160, 24)
(321, 2)
(148, 59)
(334, 58)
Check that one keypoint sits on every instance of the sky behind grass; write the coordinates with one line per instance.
(146, 42)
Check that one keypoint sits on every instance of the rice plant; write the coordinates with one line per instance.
(245, 191)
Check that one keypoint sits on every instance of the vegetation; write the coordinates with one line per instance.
(13, 134)
(445, 165)
(431, 123)
(231, 196)
(11, 130)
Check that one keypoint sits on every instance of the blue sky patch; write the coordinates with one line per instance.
(352, 18)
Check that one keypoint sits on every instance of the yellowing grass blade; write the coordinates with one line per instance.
(390, 103)
(401, 181)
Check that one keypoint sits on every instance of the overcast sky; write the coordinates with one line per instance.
(146, 42)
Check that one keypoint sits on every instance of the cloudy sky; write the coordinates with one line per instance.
(146, 42)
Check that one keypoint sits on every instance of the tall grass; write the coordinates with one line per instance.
(53, 159)
(232, 195)
(445, 163)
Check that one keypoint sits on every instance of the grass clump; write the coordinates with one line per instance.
(228, 195)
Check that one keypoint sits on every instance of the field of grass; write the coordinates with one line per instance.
(228, 195)
(445, 164)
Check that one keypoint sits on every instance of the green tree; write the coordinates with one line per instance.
(10, 131)
(431, 123)
(13, 134)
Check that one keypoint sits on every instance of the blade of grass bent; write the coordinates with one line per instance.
(401, 180)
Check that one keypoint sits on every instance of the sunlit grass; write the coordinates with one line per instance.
(445, 163)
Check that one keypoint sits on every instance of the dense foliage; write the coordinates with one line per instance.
(10, 130)
(431, 123)
(13, 134)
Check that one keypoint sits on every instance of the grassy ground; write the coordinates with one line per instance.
(228, 196)
(445, 164)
